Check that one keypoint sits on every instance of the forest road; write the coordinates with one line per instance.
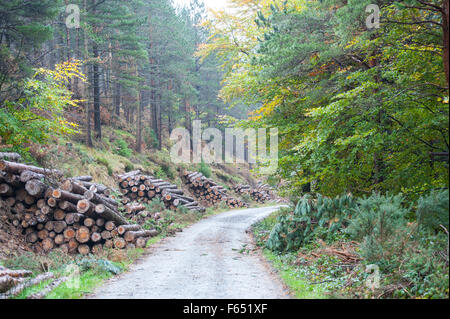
(213, 259)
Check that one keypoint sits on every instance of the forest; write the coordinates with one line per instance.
(357, 89)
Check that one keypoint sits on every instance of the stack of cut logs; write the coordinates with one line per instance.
(14, 282)
(135, 186)
(137, 213)
(260, 194)
(206, 190)
(76, 215)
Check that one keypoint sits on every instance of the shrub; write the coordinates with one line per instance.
(308, 221)
(104, 162)
(122, 148)
(380, 223)
(129, 167)
(156, 205)
(433, 210)
(204, 169)
(168, 170)
(150, 138)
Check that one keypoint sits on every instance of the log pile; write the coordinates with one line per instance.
(208, 191)
(14, 282)
(261, 193)
(77, 215)
(137, 187)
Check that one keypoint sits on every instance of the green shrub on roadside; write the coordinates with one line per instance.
(294, 229)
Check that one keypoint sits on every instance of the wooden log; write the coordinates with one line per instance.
(48, 244)
(17, 168)
(131, 236)
(59, 239)
(119, 243)
(109, 225)
(52, 202)
(17, 290)
(106, 235)
(26, 176)
(85, 207)
(108, 244)
(15, 273)
(100, 222)
(98, 199)
(6, 283)
(42, 234)
(122, 229)
(32, 237)
(59, 226)
(84, 249)
(99, 188)
(59, 214)
(69, 233)
(72, 186)
(30, 200)
(48, 289)
(35, 187)
(73, 245)
(83, 235)
(108, 214)
(96, 237)
(141, 242)
(67, 206)
(6, 190)
(89, 222)
(67, 196)
(13, 157)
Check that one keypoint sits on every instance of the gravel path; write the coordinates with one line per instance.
(204, 261)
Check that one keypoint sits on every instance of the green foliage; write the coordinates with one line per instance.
(425, 266)
(103, 161)
(433, 210)
(156, 205)
(379, 223)
(204, 169)
(308, 220)
(122, 148)
(129, 167)
(39, 114)
(98, 266)
(150, 138)
(168, 170)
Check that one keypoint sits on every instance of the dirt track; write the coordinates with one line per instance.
(204, 261)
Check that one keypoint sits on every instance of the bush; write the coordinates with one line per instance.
(168, 170)
(379, 223)
(433, 210)
(156, 205)
(104, 162)
(150, 138)
(308, 221)
(122, 148)
(129, 167)
(204, 169)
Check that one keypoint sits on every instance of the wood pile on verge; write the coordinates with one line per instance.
(261, 193)
(77, 215)
(14, 282)
(137, 187)
(208, 191)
